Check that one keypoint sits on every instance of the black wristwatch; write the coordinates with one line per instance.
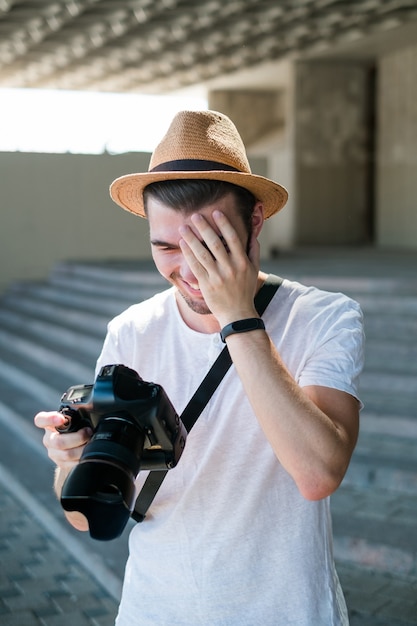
(242, 326)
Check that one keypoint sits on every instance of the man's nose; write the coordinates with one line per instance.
(186, 273)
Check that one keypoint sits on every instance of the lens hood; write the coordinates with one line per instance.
(104, 493)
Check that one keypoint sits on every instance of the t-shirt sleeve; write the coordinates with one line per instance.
(110, 352)
(336, 356)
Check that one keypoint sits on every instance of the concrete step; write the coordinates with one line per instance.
(86, 321)
(101, 302)
(111, 276)
(381, 303)
(385, 456)
(401, 327)
(51, 332)
(39, 357)
(38, 384)
(26, 393)
(383, 355)
(377, 598)
(375, 508)
(395, 398)
(375, 529)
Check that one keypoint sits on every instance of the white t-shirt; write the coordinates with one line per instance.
(229, 540)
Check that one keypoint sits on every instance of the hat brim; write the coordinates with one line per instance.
(127, 191)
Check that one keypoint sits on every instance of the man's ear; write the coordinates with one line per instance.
(257, 219)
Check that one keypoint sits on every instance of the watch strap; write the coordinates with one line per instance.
(242, 326)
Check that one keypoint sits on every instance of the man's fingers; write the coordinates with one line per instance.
(65, 449)
(203, 247)
(217, 242)
(49, 420)
(199, 257)
(229, 236)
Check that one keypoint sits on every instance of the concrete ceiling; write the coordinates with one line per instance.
(161, 46)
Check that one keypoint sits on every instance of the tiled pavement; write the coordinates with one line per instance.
(41, 581)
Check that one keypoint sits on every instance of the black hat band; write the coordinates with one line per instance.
(192, 165)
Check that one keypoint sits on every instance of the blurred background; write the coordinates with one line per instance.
(324, 94)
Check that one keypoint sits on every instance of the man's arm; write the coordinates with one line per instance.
(312, 431)
(65, 450)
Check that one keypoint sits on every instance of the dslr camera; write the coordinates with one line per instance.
(135, 427)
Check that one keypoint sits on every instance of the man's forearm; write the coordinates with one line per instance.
(312, 430)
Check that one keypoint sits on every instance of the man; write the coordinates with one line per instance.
(240, 531)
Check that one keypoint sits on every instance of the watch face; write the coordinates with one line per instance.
(244, 325)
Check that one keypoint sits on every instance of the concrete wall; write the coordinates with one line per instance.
(57, 206)
(397, 150)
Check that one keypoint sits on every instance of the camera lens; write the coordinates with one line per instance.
(118, 440)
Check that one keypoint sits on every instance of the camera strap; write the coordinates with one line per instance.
(199, 400)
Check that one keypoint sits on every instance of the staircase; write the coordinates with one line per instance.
(51, 334)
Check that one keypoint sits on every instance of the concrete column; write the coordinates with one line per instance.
(332, 145)
(397, 150)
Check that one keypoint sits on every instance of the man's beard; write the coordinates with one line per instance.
(198, 306)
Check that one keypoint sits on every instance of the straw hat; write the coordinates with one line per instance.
(199, 145)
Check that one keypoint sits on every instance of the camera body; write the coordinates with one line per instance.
(135, 427)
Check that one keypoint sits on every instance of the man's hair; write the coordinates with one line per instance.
(188, 196)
